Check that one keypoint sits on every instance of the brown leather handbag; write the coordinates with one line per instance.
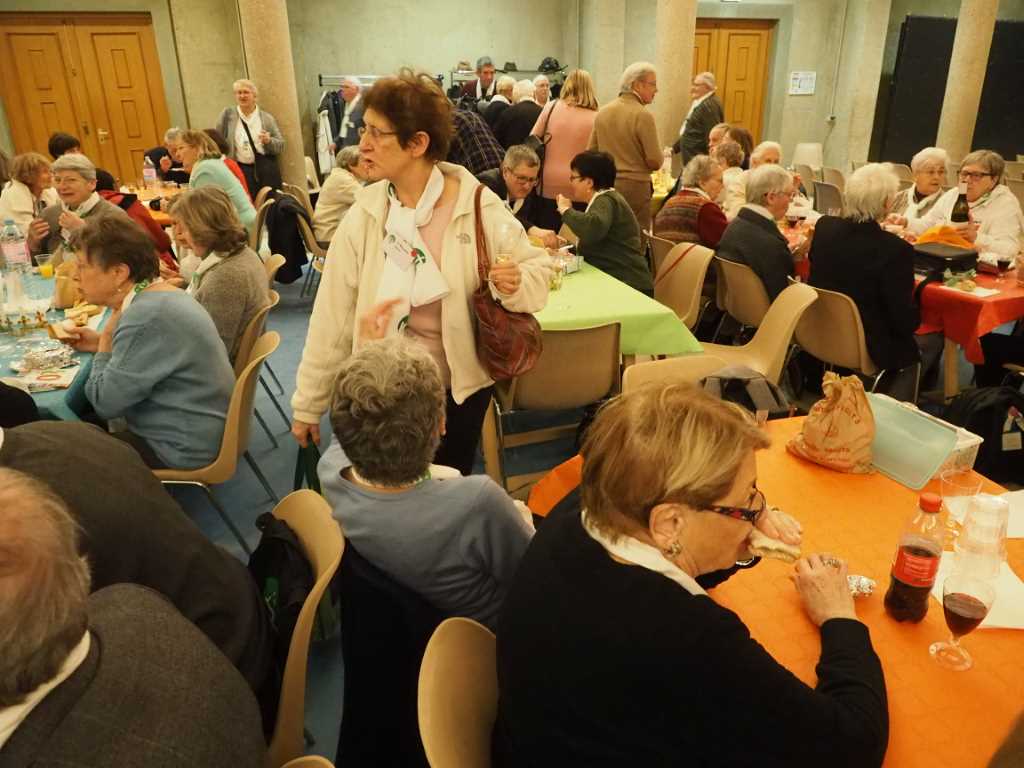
(507, 343)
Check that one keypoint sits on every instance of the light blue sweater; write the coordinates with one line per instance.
(168, 376)
(213, 172)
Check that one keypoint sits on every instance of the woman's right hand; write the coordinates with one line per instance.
(895, 218)
(823, 588)
(38, 231)
(83, 339)
(303, 432)
(563, 203)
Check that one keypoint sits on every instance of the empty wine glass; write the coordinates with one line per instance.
(966, 601)
(508, 234)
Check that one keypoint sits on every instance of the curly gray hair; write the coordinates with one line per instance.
(389, 403)
(700, 168)
(348, 156)
(44, 585)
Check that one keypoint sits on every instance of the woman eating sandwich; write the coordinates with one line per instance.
(611, 652)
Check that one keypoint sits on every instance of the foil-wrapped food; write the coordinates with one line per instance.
(860, 586)
(45, 355)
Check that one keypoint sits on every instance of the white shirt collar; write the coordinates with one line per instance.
(251, 118)
(597, 195)
(761, 210)
(12, 717)
(698, 191)
(499, 97)
(350, 105)
(644, 555)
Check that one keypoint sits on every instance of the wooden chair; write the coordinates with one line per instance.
(317, 262)
(308, 514)
(740, 293)
(686, 368)
(831, 330)
(834, 177)
(768, 350)
(903, 172)
(256, 236)
(272, 264)
(301, 195)
(309, 761)
(680, 281)
(828, 198)
(660, 248)
(807, 175)
(252, 332)
(312, 179)
(1014, 170)
(261, 197)
(576, 368)
(235, 441)
(458, 695)
(1017, 187)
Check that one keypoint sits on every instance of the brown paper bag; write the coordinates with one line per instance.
(65, 291)
(840, 428)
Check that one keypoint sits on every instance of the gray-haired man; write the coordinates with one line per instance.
(705, 113)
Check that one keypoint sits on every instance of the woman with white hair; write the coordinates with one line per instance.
(501, 100)
(338, 192)
(516, 122)
(765, 153)
(541, 89)
(929, 167)
(855, 256)
(996, 219)
(74, 178)
(626, 131)
(254, 140)
(692, 215)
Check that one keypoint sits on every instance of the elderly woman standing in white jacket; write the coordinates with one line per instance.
(406, 256)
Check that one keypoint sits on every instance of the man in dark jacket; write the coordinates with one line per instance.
(481, 89)
(501, 101)
(132, 531)
(473, 145)
(118, 677)
(515, 182)
(165, 159)
(705, 113)
(351, 116)
(753, 238)
(515, 123)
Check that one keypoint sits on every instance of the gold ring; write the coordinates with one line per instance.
(831, 561)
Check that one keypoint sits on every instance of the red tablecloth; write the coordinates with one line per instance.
(964, 318)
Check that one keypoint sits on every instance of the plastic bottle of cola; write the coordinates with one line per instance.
(917, 562)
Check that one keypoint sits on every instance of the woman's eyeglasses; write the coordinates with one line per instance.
(574, 177)
(750, 513)
(375, 132)
(973, 175)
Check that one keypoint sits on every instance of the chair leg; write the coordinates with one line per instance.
(259, 418)
(259, 476)
(307, 280)
(718, 329)
(277, 381)
(277, 405)
(220, 510)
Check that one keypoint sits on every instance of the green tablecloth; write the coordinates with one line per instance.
(591, 297)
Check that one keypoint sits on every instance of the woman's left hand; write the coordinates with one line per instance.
(506, 277)
(71, 221)
(778, 525)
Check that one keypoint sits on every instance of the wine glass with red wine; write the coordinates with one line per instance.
(966, 600)
(1003, 264)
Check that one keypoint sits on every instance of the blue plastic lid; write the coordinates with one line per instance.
(908, 447)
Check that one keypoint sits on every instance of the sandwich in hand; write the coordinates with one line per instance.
(761, 545)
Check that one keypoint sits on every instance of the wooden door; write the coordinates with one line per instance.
(96, 76)
(738, 56)
(704, 53)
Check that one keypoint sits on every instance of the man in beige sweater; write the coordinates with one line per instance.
(626, 131)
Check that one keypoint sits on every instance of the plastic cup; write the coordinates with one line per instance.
(45, 264)
(981, 545)
(958, 487)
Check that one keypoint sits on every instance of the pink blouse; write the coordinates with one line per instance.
(425, 322)
(570, 128)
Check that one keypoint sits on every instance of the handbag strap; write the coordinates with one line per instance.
(248, 135)
(483, 259)
(544, 135)
(679, 258)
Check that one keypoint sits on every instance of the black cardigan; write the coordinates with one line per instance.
(875, 268)
(606, 664)
(753, 240)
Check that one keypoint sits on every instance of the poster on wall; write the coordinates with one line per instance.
(802, 83)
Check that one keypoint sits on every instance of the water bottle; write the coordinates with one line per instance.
(14, 248)
(148, 173)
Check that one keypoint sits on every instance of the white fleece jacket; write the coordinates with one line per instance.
(352, 272)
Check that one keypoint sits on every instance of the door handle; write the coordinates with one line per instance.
(85, 129)
(102, 134)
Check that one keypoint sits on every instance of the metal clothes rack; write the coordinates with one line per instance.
(363, 80)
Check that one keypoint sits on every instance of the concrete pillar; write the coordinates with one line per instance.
(867, 49)
(609, 43)
(675, 24)
(268, 57)
(966, 77)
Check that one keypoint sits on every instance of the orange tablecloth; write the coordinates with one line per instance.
(964, 318)
(160, 218)
(938, 718)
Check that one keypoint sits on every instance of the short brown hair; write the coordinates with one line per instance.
(211, 219)
(199, 140)
(666, 442)
(729, 154)
(413, 102)
(24, 167)
(111, 240)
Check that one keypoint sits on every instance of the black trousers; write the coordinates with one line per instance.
(249, 171)
(462, 431)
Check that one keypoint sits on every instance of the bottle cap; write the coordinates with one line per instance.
(930, 502)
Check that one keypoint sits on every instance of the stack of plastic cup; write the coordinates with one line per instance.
(981, 546)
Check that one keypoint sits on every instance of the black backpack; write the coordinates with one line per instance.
(749, 388)
(996, 414)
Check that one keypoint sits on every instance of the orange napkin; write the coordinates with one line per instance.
(945, 234)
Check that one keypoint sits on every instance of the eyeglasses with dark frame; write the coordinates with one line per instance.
(974, 175)
(375, 132)
(750, 514)
(522, 179)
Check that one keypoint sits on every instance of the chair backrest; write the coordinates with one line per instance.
(679, 286)
(309, 761)
(301, 195)
(575, 368)
(807, 174)
(252, 332)
(687, 368)
(309, 239)
(827, 198)
(831, 330)
(741, 292)
(1017, 187)
(261, 219)
(903, 172)
(458, 695)
(384, 632)
(834, 177)
(808, 153)
(660, 248)
(261, 197)
(770, 344)
(312, 180)
(1014, 169)
(236, 428)
(308, 514)
(273, 263)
